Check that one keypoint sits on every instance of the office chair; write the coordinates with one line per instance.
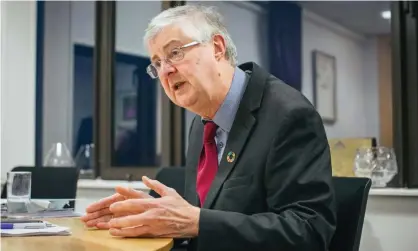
(351, 195)
(50, 182)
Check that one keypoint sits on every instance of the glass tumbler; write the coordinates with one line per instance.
(18, 190)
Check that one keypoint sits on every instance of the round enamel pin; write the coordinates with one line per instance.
(230, 157)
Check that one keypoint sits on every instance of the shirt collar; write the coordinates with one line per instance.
(225, 115)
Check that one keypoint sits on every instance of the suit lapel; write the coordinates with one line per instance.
(241, 129)
(236, 141)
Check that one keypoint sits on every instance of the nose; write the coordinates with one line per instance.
(166, 68)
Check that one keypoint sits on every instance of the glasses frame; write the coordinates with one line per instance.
(152, 70)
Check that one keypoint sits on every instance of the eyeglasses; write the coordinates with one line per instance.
(175, 55)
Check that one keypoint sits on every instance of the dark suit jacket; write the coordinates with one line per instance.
(277, 193)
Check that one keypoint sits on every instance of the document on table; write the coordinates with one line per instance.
(51, 230)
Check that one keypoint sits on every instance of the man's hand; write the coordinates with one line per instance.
(98, 213)
(168, 216)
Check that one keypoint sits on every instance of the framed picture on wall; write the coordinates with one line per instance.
(324, 85)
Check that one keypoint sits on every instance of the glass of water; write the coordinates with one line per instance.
(18, 190)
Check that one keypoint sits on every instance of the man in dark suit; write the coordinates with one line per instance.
(258, 171)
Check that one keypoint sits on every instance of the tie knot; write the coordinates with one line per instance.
(209, 131)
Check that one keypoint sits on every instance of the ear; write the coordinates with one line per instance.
(219, 47)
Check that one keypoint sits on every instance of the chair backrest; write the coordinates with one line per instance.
(50, 182)
(173, 177)
(351, 195)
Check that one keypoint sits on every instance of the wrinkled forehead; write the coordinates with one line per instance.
(167, 39)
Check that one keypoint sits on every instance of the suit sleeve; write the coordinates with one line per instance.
(299, 195)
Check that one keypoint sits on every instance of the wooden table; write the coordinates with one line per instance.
(83, 239)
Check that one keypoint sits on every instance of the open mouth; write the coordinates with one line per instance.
(178, 85)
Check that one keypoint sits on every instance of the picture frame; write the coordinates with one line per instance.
(324, 78)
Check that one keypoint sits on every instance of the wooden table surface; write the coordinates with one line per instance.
(83, 239)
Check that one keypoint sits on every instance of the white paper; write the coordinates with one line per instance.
(65, 213)
(49, 231)
(44, 204)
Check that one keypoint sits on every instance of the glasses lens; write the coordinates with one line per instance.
(176, 55)
(152, 71)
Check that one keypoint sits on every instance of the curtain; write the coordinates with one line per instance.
(285, 42)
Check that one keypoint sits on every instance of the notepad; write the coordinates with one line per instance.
(53, 230)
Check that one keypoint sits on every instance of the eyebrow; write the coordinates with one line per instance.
(172, 41)
(167, 45)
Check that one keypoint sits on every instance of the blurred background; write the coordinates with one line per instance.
(74, 91)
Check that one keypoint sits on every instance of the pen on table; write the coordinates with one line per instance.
(23, 225)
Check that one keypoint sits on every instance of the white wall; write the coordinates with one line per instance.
(238, 15)
(391, 223)
(371, 123)
(356, 87)
(58, 77)
(18, 48)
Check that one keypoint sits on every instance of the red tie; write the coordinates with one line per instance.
(208, 163)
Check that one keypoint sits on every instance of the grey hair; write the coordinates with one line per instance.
(199, 22)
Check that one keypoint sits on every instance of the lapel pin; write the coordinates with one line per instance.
(230, 157)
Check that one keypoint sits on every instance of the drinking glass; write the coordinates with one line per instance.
(18, 190)
(377, 163)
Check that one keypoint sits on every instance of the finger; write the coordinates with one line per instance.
(103, 203)
(133, 206)
(159, 187)
(103, 222)
(143, 231)
(128, 221)
(132, 193)
(95, 214)
(122, 193)
(103, 225)
(99, 221)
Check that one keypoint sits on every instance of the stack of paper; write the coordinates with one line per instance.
(64, 213)
(49, 231)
